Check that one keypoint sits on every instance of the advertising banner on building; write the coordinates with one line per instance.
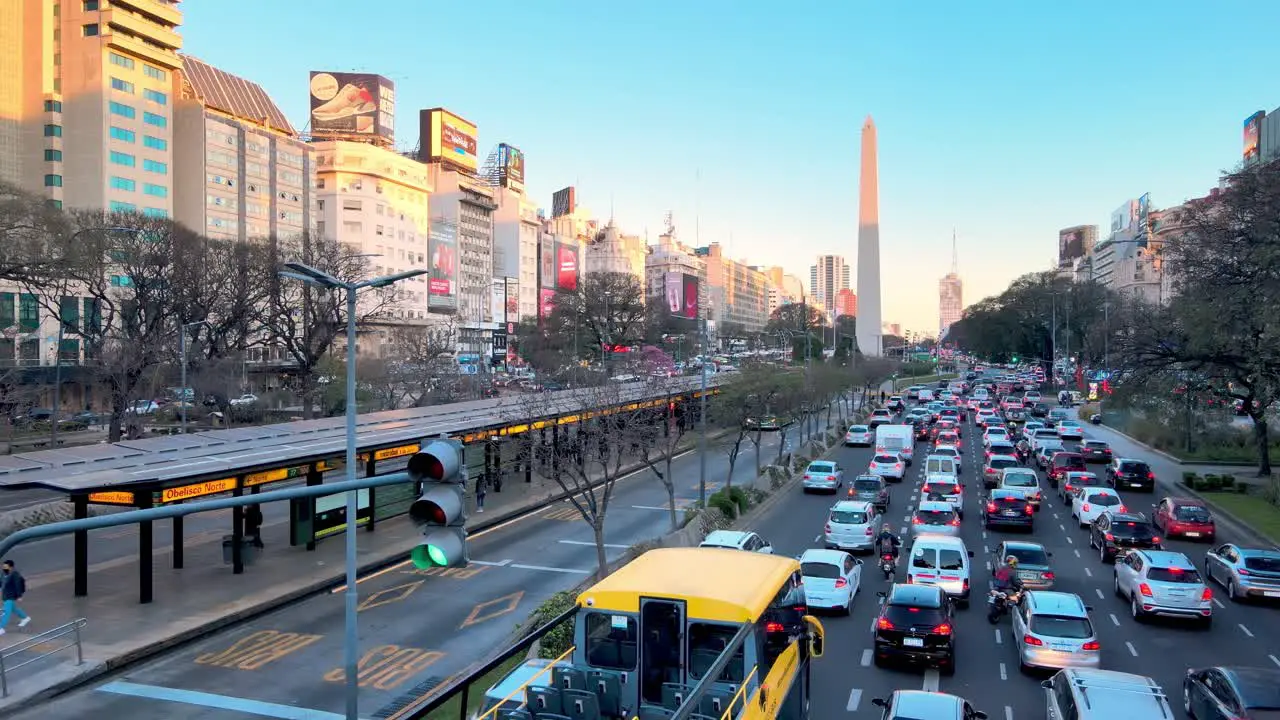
(673, 285)
(546, 302)
(1070, 245)
(547, 261)
(449, 139)
(690, 297)
(513, 300)
(1252, 131)
(1123, 217)
(563, 202)
(1141, 223)
(352, 105)
(442, 278)
(511, 167)
(498, 300)
(566, 267)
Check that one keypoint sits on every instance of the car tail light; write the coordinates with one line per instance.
(1030, 640)
(1047, 575)
(1091, 645)
(956, 490)
(1145, 590)
(774, 627)
(828, 528)
(1155, 540)
(1109, 537)
(943, 629)
(991, 507)
(965, 586)
(884, 624)
(1030, 510)
(916, 521)
(1207, 595)
(868, 532)
(1122, 509)
(1151, 476)
(1243, 571)
(841, 582)
(955, 522)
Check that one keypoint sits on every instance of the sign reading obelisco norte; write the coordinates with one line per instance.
(186, 492)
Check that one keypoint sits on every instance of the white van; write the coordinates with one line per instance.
(896, 439)
(942, 475)
(942, 561)
(926, 395)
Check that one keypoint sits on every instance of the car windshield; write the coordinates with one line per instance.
(885, 459)
(858, 429)
(1028, 555)
(849, 517)
(1192, 513)
(908, 615)
(1095, 445)
(1136, 468)
(1180, 576)
(1020, 480)
(821, 468)
(819, 570)
(1057, 626)
(1000, 463)
(944, 450)
(1103, 500)
(1008, 497)
(1131, 529)
(935, 517)
(867, 485)
(1263, 563)
(1063, 460)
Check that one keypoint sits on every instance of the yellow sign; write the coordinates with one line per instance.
(270, 476)
(395, 452)
(186, 492)
(112, 498)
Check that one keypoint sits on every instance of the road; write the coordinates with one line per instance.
(987, 669)
(416, 627)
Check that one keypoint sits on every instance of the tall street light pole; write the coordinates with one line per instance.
(312, 276)
(702, 420)
(182, 345)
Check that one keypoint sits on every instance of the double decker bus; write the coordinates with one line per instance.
(676, 633)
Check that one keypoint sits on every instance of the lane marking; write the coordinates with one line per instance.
(1070, 541)
(855, 699)
(1008, 713)
(491, 609)
(543, 568)
(902, 530)
(874, 621)
(1004, 674)
(1275, 660)
(866, 657)
(1077, 552)
(1088, 572)
(221, 702)
(1132, 650)
(1245, 629)
(1218, 602)
(1115, 619)
(1062, 527)
(501, 563)
(253, 651)
(592, 544)
(931, 677)
(1100, 595)
(999, 638)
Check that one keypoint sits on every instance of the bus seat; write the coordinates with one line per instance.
(542, 700)
(607, 686)
(700, 661)
(567, 677)
(551, 716)
(653, 712)
(581, 705)
(515, 715)
(715, 702)
(673, 695)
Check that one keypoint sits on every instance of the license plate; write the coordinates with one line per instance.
(913, 642)
(1193, 534)
(1135, 484)
(1064, 648)
(1271, 593)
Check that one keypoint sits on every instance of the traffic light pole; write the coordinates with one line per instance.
(702, 420)
(351, 640)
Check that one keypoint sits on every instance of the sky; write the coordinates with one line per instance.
(1003, 121)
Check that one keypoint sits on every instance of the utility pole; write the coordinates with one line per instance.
(57, 384)
(702, 420)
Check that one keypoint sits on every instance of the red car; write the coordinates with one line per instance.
(1184, 517)
(1062, 463)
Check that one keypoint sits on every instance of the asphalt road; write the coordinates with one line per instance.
(416, 627)
(987, 668)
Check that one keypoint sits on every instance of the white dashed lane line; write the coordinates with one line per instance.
(1275, 660)
(1088, 572)
(1245, 630)
(855, 699)
(866, 657)
(1115, 619)
(1132, 650)
(999, 639)
(1004, 674)
(1100, 595)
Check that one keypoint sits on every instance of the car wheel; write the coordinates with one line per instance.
(1186, 702)
(1206, 623)
(1116, 580)
(1232, 592)
(1135, 610)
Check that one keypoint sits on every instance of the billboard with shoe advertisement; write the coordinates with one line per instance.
(352, 105)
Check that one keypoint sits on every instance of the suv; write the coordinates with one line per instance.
(1052, 630)
(870, 488)
(1160, 582)
(1092, 694)
(880, 416)
(1116, 534)
(1062, 463)
(851, 526)
(916, 624)
(1135, 474)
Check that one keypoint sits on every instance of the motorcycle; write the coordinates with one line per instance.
(999, 603)
(887, 565)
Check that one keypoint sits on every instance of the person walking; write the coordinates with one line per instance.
(480, 495)
(12, 587)
(253, 525)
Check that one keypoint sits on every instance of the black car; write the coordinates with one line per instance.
(1008, 508)
(1116, 534)
(1229, 692)
(1039, 410)
(1131, 475)
(922, 430)
(1096, 451)
(916, 625)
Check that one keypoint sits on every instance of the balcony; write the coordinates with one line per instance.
(120, 19)
(163, 12)
(167, 59)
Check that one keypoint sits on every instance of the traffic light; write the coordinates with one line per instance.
(441, 511)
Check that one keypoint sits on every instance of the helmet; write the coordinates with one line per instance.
(886, 527)
(1011, 561)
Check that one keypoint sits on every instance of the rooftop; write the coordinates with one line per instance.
(233, 95)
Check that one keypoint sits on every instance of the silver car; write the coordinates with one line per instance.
(889, 467)
(1163, 582)
(935, 518)
(823, 475)
(851, 525)
(1053, 630)
(1246, 573)
(859, 436)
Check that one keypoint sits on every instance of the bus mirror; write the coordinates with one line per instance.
(817, 635)
(880, 702)
(970, 553)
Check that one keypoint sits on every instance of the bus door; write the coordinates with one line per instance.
(662, 629)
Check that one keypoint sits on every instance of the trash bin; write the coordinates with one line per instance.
(248, 552)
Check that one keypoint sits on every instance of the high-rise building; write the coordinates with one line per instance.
(516, 229)
(869, 245)
(827, 278)
(240, 171)
(468, 207)
(736, 291)
(782, 288)
(846, 303)
(950, 293)
(669, 259)
(87, 101)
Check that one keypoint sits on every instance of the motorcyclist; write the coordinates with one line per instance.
(887, 543)
(1006, 578)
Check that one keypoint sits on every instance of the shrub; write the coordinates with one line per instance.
(1212, 483)
(1189, 479)
(739, 498)
(1242, 488)
(1084, 412)
(1228, 481)
(722, 501)
(560, 638)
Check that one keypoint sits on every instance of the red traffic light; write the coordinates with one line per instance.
(427, 511)
(428, 466)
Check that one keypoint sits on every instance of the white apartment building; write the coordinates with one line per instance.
(470, 203)
(517, 229)
(950, 302)
(669, 256)
(611, 250)
(736, 292)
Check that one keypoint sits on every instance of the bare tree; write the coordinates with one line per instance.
(659, 439)
(749, 406)
(29, 227)
(423, 351)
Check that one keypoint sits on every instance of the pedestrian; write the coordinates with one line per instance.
(253, 525)
(12, 587)
(480, 495)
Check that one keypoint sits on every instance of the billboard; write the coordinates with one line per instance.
(547, 261)
(1144, 214)
(1252, 130)
(352, 105)
(511, 167)
(690, 297)
(673, 285)
(566, 267)
(1070, 245)
(513, 300)
(1124, 217)
(498, 300)
(442, 277)
(449, 139)
(564, 202)
(546, 302)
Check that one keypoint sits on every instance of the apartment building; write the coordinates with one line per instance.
(516, 233)
(671, 256)
(611, 250)
(737, 291)
(469, 204)
(826, 278)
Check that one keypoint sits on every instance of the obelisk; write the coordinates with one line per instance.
(868, 322)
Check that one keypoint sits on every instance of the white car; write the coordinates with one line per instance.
(1071, 430)
(1091, 502)
(994, 433)
(823, 475)
(859, 436)
(737, 540)
(246, 399)
(949, 492)
(831, 579)
(935, 518)
(985, 416)
(950, 451)
(889, 467)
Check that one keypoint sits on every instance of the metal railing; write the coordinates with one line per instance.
(35, 642)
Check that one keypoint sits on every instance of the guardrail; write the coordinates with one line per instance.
(72, 628)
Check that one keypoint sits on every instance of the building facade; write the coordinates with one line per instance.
(950, 302)
(846, 303)
(464, 200)
(827, 278)
(670, 256)
(611, 250)
(516, 232)
(736, 291)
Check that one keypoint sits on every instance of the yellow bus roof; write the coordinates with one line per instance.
(722, 585)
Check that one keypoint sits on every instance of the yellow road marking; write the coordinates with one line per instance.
(388, 596)
(455, 573)
(491, 609)
(387, 667)
(254, 651)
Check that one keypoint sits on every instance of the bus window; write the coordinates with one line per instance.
(611, 641)
(706, 642)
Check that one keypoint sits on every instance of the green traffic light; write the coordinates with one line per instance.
(428, 556)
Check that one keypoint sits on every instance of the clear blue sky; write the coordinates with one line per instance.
(1006, 120)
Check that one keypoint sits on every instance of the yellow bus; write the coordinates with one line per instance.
(680, 633)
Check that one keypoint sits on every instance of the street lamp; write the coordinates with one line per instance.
(182, 345)
(312, 276)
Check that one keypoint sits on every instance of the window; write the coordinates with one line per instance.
(53, 106)
(124, 159)
(1060, 626)
(69, 311)
(155, 143)
(155, 96)
(53, 181)
(28, 312)
(56, 203)
(156, 212)
(121, 85)
(352, 205)
(92, 315)
(125, 184)
(154, 119)
(706, 642)
(117, 206)
(90, 5)
(155, 166)
(611, 641)
(119, 133)
(53, 156)
(121, 60)
(950, 559)
(155, 190)
(6, 309)
(120, 281)
(123, 110)
(90, 30)
(53, 131)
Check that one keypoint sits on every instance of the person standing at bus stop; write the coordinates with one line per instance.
(12, 587)
(480, 490)
(253, 525)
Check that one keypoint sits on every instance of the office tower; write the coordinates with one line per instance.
(950, 294)
(826, 280)
(869, 339)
